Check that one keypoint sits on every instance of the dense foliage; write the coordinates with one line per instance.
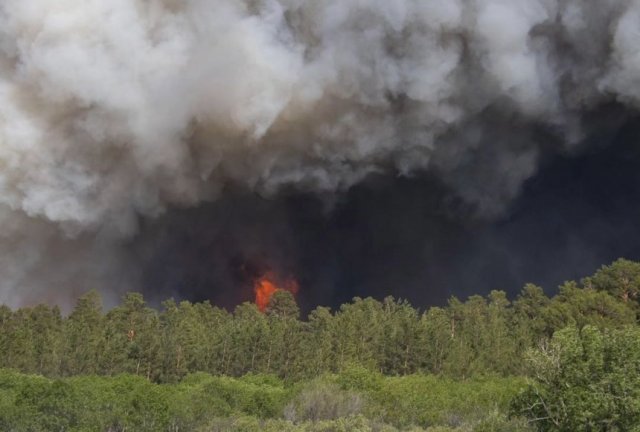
(566, 363)
(585, 380)
(354, 400)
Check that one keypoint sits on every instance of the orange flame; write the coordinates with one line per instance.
(265, 286)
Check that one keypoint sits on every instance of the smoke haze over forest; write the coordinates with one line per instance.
(419, 149)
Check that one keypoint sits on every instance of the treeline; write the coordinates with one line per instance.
(478, 336)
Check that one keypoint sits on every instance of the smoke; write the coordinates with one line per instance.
(115, 112)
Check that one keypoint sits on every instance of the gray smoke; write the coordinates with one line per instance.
(113, 111)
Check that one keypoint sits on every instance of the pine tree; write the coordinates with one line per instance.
(83, 332)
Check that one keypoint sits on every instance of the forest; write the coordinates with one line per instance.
(567, 362)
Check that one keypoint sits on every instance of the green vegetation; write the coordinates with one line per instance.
(566, 363)
(585, 380)
(353, 400)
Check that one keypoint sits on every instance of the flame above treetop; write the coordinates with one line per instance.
(265, 286)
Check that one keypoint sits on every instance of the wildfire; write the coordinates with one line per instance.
(268, 284)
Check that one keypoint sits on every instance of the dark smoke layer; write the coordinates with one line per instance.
(410, 238)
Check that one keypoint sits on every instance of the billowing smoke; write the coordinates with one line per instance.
(116, 111)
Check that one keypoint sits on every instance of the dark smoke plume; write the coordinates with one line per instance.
(201, 141)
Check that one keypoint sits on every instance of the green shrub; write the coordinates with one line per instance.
(359, 378)
(585, 379)
(426, 400)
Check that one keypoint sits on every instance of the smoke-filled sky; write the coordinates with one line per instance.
(406, 147)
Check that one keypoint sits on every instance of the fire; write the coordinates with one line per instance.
(265, 286)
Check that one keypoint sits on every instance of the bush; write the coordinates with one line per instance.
(584, 380)
(426, 400)
(323, 401)
(253, 396)
(360, 379)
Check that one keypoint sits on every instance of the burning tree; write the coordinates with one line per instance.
(265, 286)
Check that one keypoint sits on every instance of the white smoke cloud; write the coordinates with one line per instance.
(112, 110)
